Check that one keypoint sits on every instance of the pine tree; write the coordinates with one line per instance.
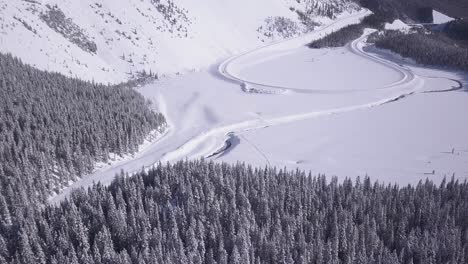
(5, 217)
(26, 255)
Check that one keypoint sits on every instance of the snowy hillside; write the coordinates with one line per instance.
(115, 40)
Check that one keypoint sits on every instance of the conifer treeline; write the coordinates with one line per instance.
(347, 34)
(200, 212)
(54, 128)
(425, 47)
(434, 49)
(338, 38)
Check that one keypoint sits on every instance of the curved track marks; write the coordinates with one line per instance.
(408, 84)
(408, 80)
(289, 44)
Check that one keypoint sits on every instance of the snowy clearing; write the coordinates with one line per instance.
(345, 111)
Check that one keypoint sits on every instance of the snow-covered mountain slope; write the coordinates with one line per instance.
(115, 40)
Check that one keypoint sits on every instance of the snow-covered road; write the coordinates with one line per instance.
(211, 116)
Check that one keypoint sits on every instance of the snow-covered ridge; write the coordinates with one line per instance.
(114, 40)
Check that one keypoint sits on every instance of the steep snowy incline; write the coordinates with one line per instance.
(115, 40)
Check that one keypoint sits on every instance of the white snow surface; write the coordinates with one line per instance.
(132, 36)
(347, 111)
(440, 18)
(397, 24)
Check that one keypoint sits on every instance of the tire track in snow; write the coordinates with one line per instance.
(454, 88)
(406, 69)
(408, 77)
(257, 149)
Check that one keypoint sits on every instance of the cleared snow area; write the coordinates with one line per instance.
(307, 69)
(440, 18)
(347, 111)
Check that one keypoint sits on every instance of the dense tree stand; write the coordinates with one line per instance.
(202, 212)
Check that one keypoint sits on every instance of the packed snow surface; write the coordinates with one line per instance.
(347, 111)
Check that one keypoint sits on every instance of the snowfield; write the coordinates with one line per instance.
(347, 111)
